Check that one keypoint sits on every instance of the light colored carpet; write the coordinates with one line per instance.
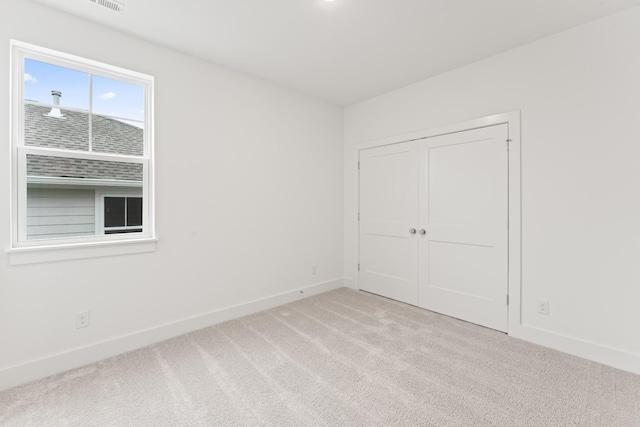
(344, 358)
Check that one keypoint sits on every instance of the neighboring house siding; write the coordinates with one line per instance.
(54, 213)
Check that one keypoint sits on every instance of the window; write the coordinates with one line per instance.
(122, 215)
(80, 130)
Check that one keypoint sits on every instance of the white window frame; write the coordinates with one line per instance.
(101, 195)
(28, 251)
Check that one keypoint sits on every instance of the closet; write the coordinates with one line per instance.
(433, 223)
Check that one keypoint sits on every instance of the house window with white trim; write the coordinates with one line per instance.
(81, 150)
(122, 215)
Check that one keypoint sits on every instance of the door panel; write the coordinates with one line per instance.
(445, 259)
(388, 210)
(464, 210)
(461, 181)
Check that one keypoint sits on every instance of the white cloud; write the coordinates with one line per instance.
(29, 78)
(108, 95)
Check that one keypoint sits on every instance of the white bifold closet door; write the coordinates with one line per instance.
(459, 210)
(388, 210)
(464, 211)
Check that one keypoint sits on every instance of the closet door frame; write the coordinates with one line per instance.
(512, 119)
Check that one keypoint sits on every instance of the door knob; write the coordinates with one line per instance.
(412, 231)
(422, 231)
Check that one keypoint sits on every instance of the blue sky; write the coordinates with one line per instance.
(110, 97)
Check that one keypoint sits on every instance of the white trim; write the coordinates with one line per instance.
(148, 168)
(81, 250)
(589, 350)
(15, 118)
(75, 182)
(90, 113)
(512, 119)
(70, 154)
(494, 119)
(66, 242)
(85, 65)
(124, 228)
(34, 369)
(348, 282)
(18, 201)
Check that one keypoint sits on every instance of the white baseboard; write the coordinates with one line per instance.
(350, 283)
(595, 352)
(53, 364)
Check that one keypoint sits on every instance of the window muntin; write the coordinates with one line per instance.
(78, 126)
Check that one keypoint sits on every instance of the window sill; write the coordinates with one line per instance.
(38, 254)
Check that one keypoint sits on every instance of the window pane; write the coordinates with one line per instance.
(40, 79)
(134, 211)
(114, 212)
(49, 90)
(116, 98)
(64, 117)
(123, 174)
(116, 136)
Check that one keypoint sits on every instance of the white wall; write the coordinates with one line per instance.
(579, 96)
(249, 197)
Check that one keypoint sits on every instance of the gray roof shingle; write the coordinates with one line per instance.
(64, 167)
(72, 132)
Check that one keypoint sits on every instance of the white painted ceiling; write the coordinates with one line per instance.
(348, 50)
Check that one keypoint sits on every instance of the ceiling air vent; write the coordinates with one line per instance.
(109, 4)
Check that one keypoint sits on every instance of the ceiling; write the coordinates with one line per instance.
(345, 51)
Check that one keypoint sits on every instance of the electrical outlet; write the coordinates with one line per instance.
(543, 306)
(82, 319)
(314, 270)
